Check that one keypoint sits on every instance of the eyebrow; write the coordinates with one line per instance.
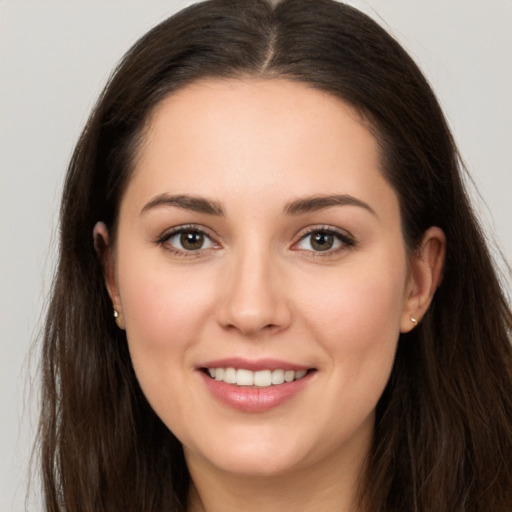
(315, 203)
(296, 207)
(185, 202)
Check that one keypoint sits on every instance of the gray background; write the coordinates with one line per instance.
(54, 59)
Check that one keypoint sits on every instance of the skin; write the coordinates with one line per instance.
(258, 289)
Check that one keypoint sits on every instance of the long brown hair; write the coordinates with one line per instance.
(443, 433)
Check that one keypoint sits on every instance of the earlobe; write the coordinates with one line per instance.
(104, 252)
(425, 275)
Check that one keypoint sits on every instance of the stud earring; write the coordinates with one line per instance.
(116, 314)
(414, 321)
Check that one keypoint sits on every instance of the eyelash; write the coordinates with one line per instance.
(345, 240)
(191, 228)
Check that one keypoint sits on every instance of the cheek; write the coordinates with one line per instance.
(164, 313)
(358, 327)
(157, 298)
(357, 313)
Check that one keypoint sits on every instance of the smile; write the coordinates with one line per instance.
(260, 379)
(255, 386)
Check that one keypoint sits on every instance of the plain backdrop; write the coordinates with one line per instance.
(55, 55)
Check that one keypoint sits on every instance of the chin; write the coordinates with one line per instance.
(263, 457)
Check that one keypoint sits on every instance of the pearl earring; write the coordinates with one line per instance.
(414, 321)
(116, 314)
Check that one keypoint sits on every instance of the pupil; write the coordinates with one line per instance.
(192, 240)
(322, 241)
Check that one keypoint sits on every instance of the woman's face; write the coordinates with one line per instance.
(259, 242)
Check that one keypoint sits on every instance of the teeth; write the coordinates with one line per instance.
(299, 374)
(277, 377)
(244, 378)
(230, 376)
(261, 379)
(289, 375)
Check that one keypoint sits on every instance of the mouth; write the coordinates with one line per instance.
(255, 386)
(258, 379)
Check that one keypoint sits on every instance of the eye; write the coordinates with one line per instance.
(324, 240)
(187, 239)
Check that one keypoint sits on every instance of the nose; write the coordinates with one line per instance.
(253, 301)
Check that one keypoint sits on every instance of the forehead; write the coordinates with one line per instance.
(225, 137)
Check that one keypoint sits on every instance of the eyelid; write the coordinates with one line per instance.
(344, 237)
(176, 230)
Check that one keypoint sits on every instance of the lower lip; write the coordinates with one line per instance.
(254, 399)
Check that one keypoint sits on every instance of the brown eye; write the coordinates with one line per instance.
(187, 240)
(322, 241)
(192, 240)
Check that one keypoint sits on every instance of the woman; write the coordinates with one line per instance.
(286, 301)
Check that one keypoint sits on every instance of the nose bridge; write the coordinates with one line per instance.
(254, 299)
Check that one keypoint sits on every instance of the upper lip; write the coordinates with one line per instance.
(253, 365)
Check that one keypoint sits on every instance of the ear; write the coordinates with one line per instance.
(106, 256)
(425, 274)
